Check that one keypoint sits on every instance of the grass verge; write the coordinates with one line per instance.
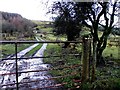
(64, 59)
(31, 52)
(7, 49)
(107, 78)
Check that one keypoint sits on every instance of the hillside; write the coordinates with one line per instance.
(15, 25)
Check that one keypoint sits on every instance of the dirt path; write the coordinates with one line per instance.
(27, 65)
(40, 77)
(9, 65)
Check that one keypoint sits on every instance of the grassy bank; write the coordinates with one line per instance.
(107, 78)
(65, 59)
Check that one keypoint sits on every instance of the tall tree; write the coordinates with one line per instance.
(96, 12)
(67, 21)
(100, 14)
(92, 15)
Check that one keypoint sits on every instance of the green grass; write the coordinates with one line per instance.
(46, 29)
(52, 37)
(107, 77)
(103, 74)
(40, 22)
(63, 61)
(7, 49)
(111, 51)
(104, 84)
(31, 52)
(44, 26)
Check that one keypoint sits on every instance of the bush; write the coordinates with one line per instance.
(106, 84)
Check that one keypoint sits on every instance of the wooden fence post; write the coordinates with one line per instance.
(85, 58)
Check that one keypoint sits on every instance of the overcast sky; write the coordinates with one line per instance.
(30, 9)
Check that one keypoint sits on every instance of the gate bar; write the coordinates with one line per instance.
(16, 66)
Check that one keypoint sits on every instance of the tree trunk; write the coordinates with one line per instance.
(100, 49)
(69, 38)
(94, 60)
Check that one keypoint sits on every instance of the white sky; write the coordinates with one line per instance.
(30, 9)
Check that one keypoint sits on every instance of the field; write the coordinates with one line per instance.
(9, 49)
(107, 77)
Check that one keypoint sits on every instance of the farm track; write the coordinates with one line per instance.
(8, 66)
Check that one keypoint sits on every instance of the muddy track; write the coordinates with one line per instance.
(8, 66)
(28, 65)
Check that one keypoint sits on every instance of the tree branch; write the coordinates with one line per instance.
(93, 13)
(101, 25)
(83, 22)
(101, 13)
(90, 19)
(112, 16)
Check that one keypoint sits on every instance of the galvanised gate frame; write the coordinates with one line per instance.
(16, 59)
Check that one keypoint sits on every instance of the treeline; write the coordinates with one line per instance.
(15, 24)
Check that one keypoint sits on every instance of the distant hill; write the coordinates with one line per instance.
(14, 24)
